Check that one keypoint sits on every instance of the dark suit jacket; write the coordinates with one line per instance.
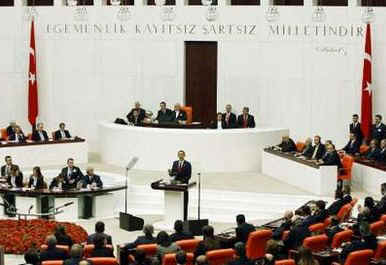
(76, 176)
(352, 148)
(214, 124)
(182, 174)
(369, 242)
(206, 245)
(141, 240)
(296, 237)
(181, 115)
(243, 231)
(90, 238)
(58, 135)
(320, 153)
(18, 180)
(289, 146)
(63, 240)
(378, 133)
(180, 236)
(331, 159)
(232, 122)
(357, 131)
(54, 184)
(3, 171)
(250, 121)
(36, 136)
(53, 254)
(39, 185)
(134, 121)
(242, 261)
(21, 137)
(373, 154)
(315, 218)
(10, 130)
(165, 117)
(334, 208)
(87, 180)
(382, 156)
(141, 115)
(102, 252)
(308, 151)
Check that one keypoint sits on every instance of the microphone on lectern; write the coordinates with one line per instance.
(132, 163)
(30, 208)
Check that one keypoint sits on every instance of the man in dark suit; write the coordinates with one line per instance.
(62, 133)
(308, 149)
(99, 230)
(57, 183)
(71, 174)
(374, 151)
(15, 178)
(6, 169)
(229, 118)
(179, 233)
(241, 256)
(243, 229)
(179, 115)
(141, 113)
(319, 149)
(319, 215)
(90, 179)
(355, 128)
(382, 152)
(52, 252)
(335, 207)
(182, 172)
(18, 136)
(76, 255)
(164, 115)
(331, 157)
(378, 131)
(40, 135)
(135, 119)
(287, 144)
(11, 128)
(246, 120)
(353, 146)
(100, 249)
(219, 124)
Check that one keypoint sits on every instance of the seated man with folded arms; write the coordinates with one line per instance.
(40, 135)
(353, 145)
(287, 145)
(18, 136)
(374, 150)
(245, 120)
(90, 180)
(62, 133)
(179, 115)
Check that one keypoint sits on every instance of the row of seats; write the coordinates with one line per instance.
(95, 261)
(87, 249)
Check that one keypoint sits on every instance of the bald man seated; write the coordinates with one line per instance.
(178, 114)
(136, 114)
(90, 180)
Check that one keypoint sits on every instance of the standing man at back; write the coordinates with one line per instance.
(355, 128)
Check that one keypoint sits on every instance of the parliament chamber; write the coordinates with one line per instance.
(205, 132)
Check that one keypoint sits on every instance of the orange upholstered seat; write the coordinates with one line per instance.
(380, 253)
(378, 228)
(285, 262)
(4, 133)
(317, 228)
(361, 257)
(256, 243)
(52, 262)
(363, 149)
(64, 247)
(150, 249)
(189, 114)
(88, 249)
(170, 259)
(188, 245)
(104, 261)
(341, 237)
(345, 172)
(300, 146)
(220, 256)
(316, 243)
(344, 212)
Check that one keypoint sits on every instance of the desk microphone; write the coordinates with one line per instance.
(30, 208)
(132, 163)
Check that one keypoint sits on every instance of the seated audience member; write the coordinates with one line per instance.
(164, 115)
(61, 236)
(287, 144)
(179, 115)
(298, 232)
(57, 183)
(201, 260)
(229, 118)
(306, 257)
(147, 238)
(40, 135)
(208, 243)
(36, 180)
(6, 169)
(141, 258)
(319, 215)
(241, 255)
(308, 149)
(11, 129)
(76, 255)
(335, 207)
(333, 228)
(165, 245)
(62, 133)
(353, 145)
(140, 112)
(370, 215)
(243, 229)
(382, 152)
(15, 178)
(331, 157)
(245, 120)
(181, 258)
(135, 119)
(71, 174)
(99, 230)
(355, 128)
(31, 257)
(373, 153)
(378, 130)
(52, 252)
(366, 241)
(285, 226)
(179, 232)
(18, 136)
(90, 180)
(381, 205)
(318, 149)
(100, 249)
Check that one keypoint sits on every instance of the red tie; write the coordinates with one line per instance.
(245, 124)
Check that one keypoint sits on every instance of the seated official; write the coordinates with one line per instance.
(243, 229)
(15, 178)
(241, 255)
(136, 114)
(374, 151)
(318, 149)
(100, 249)
(219, 124)
(179, 233)
(229, 118)
(62, 237)
(179, 115)
(99, 230)
(52, 252)
(6, 169)
(62, 133)
(71, 174)
(382, 152)
(57, 183)
(165, 245)
(17, 137)
(164, 115)
(331, 157)
(355, 128)
(90, 180)
(36, 180)
(353, 146)
(287, 144)
(378, 130)
(208, 243)
(308, 149)
(246, 120)
(11, 128)
(40, 135)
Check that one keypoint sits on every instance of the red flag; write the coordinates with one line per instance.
(33, 102)
(367, 93)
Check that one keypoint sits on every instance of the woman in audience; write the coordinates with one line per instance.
(36, 180)
(306, 258)
(165, 245)
(61, 236)
(100, 249)
(209, 242)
